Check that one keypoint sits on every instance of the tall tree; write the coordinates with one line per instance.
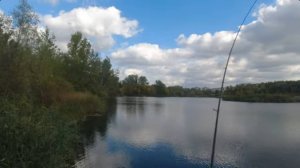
(142, 80)
(160, 88)
(110, 79)
(86, 71)
(131, 80)
(130, 85)
(77, 60)
(26, 20)
(14, 69)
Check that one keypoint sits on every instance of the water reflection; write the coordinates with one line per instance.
(94, 130)
(98, 123)
(177, 132)
(97, 156)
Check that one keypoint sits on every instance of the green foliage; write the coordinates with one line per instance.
(134, 85)
(44, 92)
(131, 80)
(86, 71)
(142, 80)
(109, 78)
(280, 91)
(77, 61)
(160, 88)
(130, 86)
(35, 138)
(26, 20)
(75, 105)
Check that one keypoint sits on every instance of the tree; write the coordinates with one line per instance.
(160, 88)
(26, 21)
(142, 80)
(176, 91)
(131, 80)
(130, 85)
(106, 71)
(14, 71)
(47, 70)
(109, 78)
(77, 61)
(86, 71)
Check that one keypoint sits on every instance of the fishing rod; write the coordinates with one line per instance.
(222, 86)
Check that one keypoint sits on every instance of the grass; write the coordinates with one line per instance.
(43, 137)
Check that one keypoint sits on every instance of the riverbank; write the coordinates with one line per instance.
(277, 92)
(264, 98)
(39, 136)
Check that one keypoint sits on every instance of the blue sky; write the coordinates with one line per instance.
(182, 42)
(161, 21)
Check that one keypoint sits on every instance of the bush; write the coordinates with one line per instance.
(36, 138)
(75, 105)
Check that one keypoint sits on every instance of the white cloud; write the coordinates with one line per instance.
(152, 61)
(207, 42)
(97, 23)
(133, 72)
(267, 49)
(143, 52)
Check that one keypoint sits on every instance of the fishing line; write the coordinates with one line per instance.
(222, 85)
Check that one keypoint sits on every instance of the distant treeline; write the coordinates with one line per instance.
(134, 85)
(279, 91)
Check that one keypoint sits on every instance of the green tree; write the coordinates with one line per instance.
(109, 78)
(176, 91)
(26, 21)
(130, 85)
(142, 80)
(86, 71)
(131, 80)
(77, 61)
(160, 88)
(144, 88)
(14, 61)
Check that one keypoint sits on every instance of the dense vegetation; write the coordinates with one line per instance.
(44, 92)
(280, 91)
(134, 85)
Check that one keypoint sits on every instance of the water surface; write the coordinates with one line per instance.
(145, 132)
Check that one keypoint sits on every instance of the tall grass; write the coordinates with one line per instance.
(43, 137)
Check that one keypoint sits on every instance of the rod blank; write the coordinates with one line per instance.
(222, 86)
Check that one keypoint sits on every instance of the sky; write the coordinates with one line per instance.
(182, 42)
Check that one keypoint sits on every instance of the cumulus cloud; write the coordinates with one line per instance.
(151, 61)
(267, 49)
(99, 24)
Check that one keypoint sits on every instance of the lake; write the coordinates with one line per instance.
(148, 132)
